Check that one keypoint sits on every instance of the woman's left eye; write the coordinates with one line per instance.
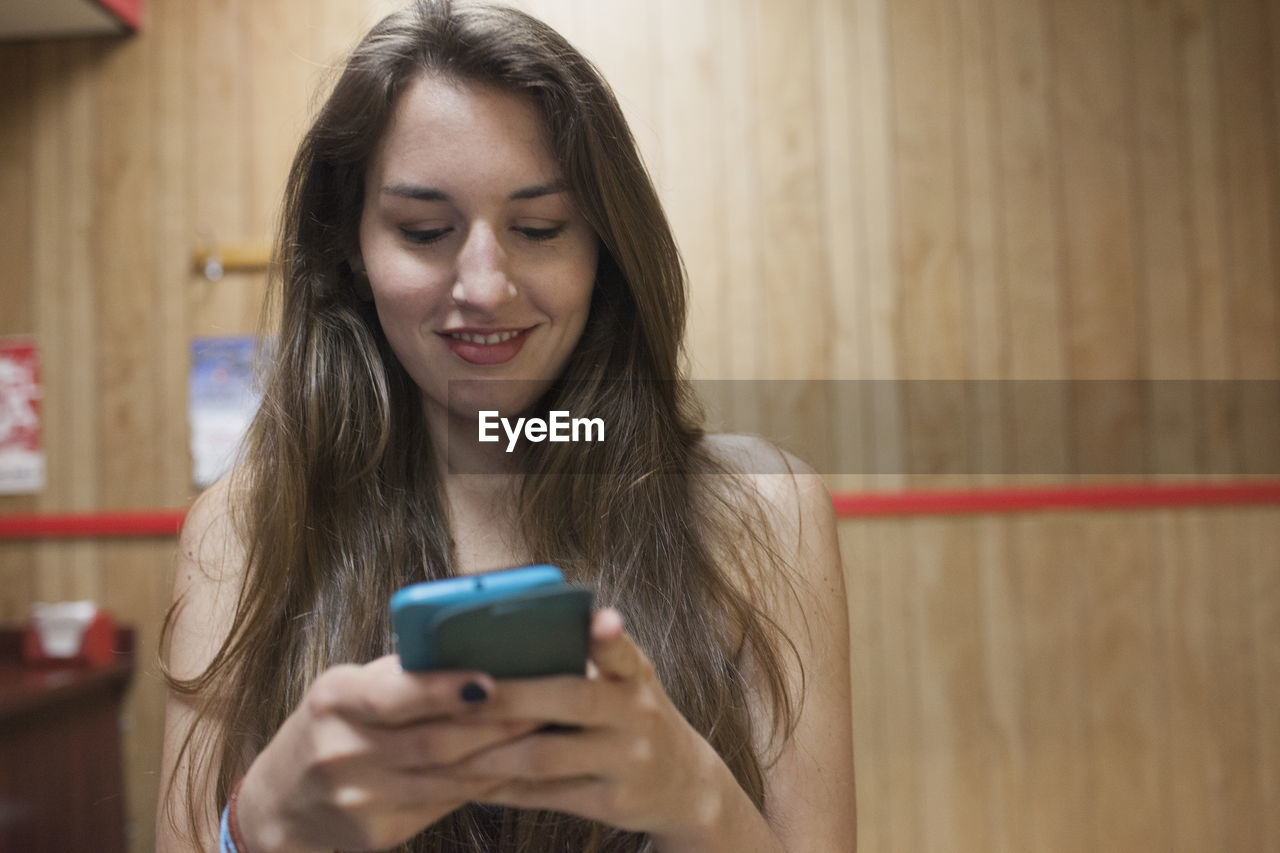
(540, 233)
(426, 236)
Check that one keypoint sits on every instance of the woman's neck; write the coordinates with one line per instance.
(481, 485)
(459, 452)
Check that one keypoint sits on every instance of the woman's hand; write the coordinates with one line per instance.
(362, 762)
(632, 760)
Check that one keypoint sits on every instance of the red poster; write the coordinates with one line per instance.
(21, 459)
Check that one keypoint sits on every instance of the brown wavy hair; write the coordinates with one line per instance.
(340, 495)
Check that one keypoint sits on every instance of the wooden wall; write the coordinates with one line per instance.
(864, 189)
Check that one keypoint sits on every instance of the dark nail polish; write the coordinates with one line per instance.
(473, 692)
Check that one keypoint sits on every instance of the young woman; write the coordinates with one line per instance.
(470, 206)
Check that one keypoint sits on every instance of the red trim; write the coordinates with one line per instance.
(168, 522)
(90, 525)
(1040, 499)
(128, 11)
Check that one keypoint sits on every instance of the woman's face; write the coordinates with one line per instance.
(480, 264)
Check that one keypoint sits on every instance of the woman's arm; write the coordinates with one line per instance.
(359, 764)
(809, 791)
(206, 580)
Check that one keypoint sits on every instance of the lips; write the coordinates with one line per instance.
(485, 346)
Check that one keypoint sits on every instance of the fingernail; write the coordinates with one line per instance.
(474, 692)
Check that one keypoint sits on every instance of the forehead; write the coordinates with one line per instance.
(441, 126)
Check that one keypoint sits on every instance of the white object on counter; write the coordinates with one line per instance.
(61, 626)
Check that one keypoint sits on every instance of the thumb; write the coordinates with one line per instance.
(614, 654)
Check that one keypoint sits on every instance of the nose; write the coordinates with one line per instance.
(483, 278)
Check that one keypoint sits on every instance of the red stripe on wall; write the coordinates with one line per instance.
(167, 522)
(1041, 499)
(93, 525)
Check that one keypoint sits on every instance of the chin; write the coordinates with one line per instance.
(510, 397)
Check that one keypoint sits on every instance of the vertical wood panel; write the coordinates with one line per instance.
(946, 619)
(881, 285)
(17, 311)
(1203, 131)
(1124, 774)
(217, 112)
(65, 301)
(172, 232)
(1264, 559)
(1002, 678)
(742, 231)
(1059, 814)
(1093, 120)
(279, 59)
(878, 290)
(795, 299)
(125, 322)
(925, 60)
(1093, 106)
(905, 773)
(694, 184)
(984, 317)
(1030, 240)
(844, 229)
(1030, 224)
(1250, 185)
(1163, 259)
(793, 268)
(839, 108)
(16, 117)
(1236, 727)
(130, 375)
(978, 190)
(1252, 222)
(624, 46)
(1183, 551)
(1202, 127)
(1160, 114)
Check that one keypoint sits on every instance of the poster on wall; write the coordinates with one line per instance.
(21, 458)
(222, 399)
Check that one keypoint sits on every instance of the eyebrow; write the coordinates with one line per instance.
(421, 193)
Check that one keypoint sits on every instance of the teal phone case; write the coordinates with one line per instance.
(521, 622)
(540, 632)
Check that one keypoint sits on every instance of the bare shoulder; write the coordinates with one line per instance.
(207, 577)
(792, 501)
(209, 535)
(793, 497)
(810, 786)
(206, 587)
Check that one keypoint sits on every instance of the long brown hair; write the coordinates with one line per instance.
(341, 497)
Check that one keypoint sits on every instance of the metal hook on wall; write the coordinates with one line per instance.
(213, 261)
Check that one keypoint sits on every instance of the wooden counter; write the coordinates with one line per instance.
(61, 780)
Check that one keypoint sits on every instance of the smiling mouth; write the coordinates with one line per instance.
(487, 339)
(486, 348)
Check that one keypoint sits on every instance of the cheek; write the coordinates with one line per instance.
(396, 306)
(402, 283)
(583, 278)
(396, 277)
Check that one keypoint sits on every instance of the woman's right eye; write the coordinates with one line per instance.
(424, 237)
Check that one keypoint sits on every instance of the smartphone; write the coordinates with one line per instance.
(514, 623)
